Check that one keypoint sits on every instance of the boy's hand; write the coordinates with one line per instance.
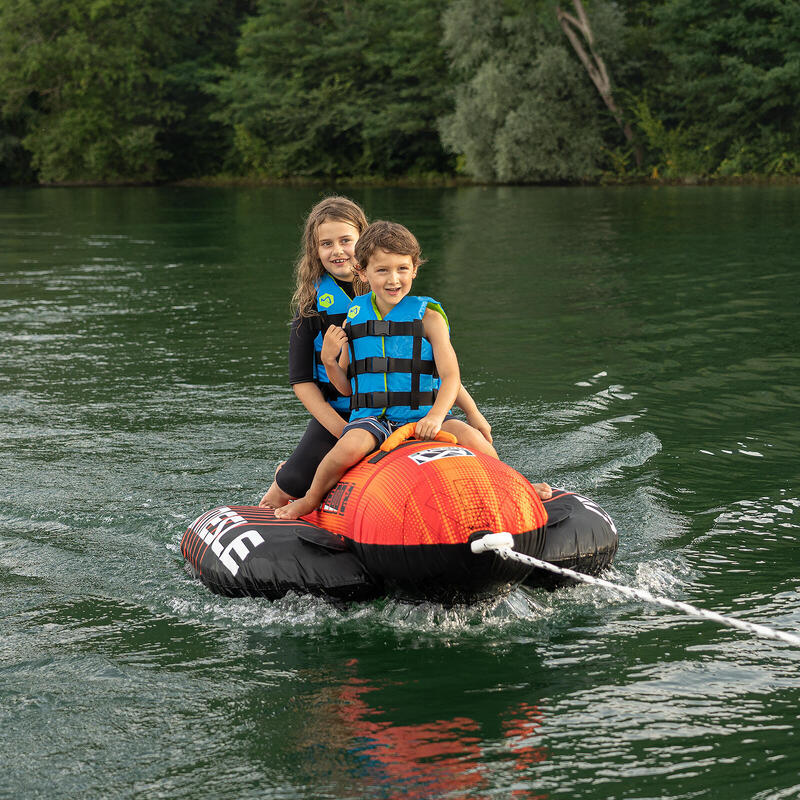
(335, 339)
(479, 422)
(428, 426)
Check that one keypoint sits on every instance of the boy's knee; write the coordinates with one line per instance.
(477, 442)
(469, 437)
(355, 444)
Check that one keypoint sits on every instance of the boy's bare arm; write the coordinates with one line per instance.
(335, 358)
(447, 366)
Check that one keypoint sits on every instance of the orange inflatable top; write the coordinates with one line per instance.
(413, 492)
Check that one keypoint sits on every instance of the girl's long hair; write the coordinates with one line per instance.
(308, 268)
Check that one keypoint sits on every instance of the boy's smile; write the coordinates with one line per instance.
(390, 276)
(337, 241)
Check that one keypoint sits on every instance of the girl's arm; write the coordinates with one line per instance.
(301, 376)
(474, 417)
(319, 408)
(447, 366)
(336, 358)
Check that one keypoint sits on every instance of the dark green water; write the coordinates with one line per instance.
(637, 345)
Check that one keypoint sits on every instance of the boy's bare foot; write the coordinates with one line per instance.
(544, 490)
(296, 509)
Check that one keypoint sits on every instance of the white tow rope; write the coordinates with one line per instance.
(503, 545)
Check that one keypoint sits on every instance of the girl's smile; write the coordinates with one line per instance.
(335, 248)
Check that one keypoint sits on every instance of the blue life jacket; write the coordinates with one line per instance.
(392, 372)
(332, 305)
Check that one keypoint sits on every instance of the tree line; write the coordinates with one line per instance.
(510, 91)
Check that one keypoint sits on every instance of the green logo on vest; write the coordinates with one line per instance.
(353, 312)
(326, 300)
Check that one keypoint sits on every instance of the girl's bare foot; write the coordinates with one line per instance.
(275, 496)
(296, 509)
(544, 490)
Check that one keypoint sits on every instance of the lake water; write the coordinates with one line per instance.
(638, 345)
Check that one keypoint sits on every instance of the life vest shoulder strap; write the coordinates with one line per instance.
(320, 322)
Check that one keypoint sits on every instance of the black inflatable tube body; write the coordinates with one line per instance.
(242, 551)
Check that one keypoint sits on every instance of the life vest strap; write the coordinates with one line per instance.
(322, 320)
(386, 399)
(377, 364)
(329, 391)
(386, 327)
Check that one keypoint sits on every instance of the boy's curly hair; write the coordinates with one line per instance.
(391, 237)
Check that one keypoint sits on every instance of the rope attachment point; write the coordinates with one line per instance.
(499, 542)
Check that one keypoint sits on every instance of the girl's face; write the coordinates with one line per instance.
(335, 248)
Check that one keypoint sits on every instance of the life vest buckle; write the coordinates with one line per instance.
(369, 400)
(377, 364)
(378, 327)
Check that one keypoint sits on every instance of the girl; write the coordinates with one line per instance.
(325, 286)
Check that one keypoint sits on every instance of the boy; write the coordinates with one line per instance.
(400, 343)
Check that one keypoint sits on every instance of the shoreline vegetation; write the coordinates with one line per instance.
(399, 92)
(446, 181)
(419, 182)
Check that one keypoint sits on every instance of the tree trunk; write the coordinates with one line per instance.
(594, 65)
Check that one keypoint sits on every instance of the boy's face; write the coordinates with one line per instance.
(390, 276)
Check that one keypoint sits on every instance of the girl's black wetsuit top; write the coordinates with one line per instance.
(295, 476)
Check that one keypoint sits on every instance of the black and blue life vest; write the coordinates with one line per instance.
(392, 372)
(332, 305)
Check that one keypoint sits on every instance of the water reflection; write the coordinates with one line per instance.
(422, 760)
(410, 753)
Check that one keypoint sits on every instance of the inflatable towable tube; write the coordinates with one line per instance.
(400, 523)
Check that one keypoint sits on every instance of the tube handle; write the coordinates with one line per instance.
(407, 431)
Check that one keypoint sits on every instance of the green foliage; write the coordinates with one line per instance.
(336, 87)
(144, 90)
(206, 42)
(72, 70)
(674, 152)
(733, 81)
(101, 84)
(525, 108)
